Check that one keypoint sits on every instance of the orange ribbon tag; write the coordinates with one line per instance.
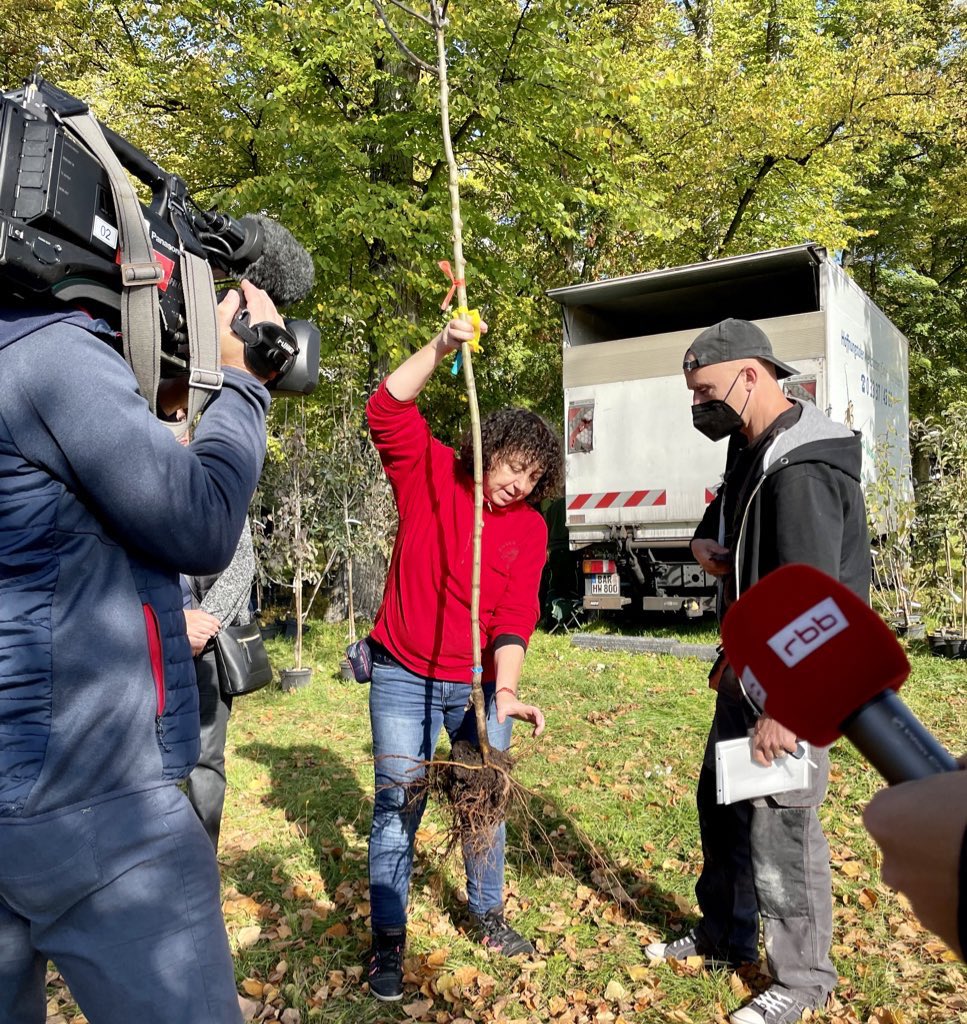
(455, 282)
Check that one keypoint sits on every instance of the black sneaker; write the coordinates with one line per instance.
(385, 965)
(496, 934)
(683, 948)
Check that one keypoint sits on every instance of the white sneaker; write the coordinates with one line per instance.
(770, 1007)
(682, 949)
(677, 949)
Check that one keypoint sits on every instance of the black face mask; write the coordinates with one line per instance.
(717, 419)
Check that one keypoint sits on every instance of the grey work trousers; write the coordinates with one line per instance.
(206, 784)
(766, 858)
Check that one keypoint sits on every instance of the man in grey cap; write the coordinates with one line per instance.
(791, 493)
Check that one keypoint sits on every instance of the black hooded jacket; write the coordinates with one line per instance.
(802, 503)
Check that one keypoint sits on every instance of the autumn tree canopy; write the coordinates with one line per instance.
(595, 138)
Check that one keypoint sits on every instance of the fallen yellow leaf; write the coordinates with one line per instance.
(739, 988)
(248, 936)
(868, 899)
(615, 991)
(418, 1008)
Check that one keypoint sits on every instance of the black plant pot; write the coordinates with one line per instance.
(943, 645)
(294, 678)
(291, 626)
(910, 630)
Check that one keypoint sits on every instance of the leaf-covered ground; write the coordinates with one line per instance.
(604, 861)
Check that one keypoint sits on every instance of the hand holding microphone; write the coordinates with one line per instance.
(920, 827)
(820, 661)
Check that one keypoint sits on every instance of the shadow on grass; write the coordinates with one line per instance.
(320, 795)
(547, 840)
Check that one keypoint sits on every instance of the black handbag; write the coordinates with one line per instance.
(360, 658)
(241, 660)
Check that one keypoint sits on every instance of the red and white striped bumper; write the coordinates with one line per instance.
(615, 499)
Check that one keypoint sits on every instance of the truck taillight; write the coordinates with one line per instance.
(592, 566)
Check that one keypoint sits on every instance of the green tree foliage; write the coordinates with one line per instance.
(770, 120)
(595, 138)
(915, 263)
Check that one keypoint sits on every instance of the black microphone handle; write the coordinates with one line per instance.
(888, 734)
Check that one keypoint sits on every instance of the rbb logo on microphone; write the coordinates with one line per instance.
(808, 632)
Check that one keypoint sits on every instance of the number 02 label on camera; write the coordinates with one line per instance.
(105, 233)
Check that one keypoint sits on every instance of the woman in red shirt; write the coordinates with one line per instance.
(422, 649)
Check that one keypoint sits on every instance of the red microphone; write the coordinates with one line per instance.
(821, 662)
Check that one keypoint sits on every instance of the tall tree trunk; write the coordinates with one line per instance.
(701, 13)
(773, 30)
(483, 740)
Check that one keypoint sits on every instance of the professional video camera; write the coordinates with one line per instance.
(62, 227)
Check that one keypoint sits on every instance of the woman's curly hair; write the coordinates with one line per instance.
(512, 433)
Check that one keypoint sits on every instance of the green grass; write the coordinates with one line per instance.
(611, 802)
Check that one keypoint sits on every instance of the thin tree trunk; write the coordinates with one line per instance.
(297, 585)
(349, 553)
(297, 580)
(439, 23)
(437, 20)
(352, 610)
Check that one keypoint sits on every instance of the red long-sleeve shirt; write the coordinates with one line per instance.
(424, 620)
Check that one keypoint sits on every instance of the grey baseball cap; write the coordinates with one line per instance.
(730, 340)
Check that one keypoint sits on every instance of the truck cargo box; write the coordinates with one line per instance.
(639, 476)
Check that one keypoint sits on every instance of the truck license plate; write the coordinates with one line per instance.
(606, 584)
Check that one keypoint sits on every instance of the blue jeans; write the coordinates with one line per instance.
(406, 712)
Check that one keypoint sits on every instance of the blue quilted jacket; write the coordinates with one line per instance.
(100, 509)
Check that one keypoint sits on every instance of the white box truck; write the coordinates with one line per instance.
(639, 476)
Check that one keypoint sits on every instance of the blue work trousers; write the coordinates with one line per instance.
(407, 712)
(123, 896)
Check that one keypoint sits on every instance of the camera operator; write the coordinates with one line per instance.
(104, 866)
